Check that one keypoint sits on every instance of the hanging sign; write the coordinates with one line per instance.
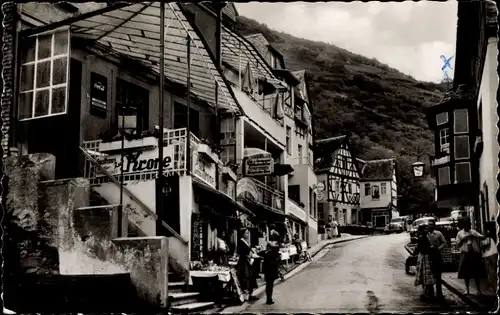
(98, 95)
(259, 166)
(246, 188)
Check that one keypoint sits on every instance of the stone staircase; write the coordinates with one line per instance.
(181, 299)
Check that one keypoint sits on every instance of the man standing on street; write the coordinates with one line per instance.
(438, 242)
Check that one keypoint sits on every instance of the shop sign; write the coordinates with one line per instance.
(98, 95)
(135, 162)
(204, 170)
(246, 188)
(259, 166)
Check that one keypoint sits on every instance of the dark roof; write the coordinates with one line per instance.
(378, 169)
(324, 151)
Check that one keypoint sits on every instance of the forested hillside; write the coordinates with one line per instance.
(380, 108)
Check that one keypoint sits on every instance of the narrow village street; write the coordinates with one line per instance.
(339, 280)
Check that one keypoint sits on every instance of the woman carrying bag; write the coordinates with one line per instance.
(245, 261)
(424, 275)
(471, 264)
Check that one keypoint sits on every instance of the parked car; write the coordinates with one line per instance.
(417, 223)
(396, 225)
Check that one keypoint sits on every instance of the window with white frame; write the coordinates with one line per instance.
(444, 140)
(441, 118)
(461, 123)
(444, 176)
(288, 140)
(462, 147)
(368, 190)
(462, 173)
(383, 188)
(44, 75)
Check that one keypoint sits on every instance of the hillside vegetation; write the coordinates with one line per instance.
(381, 109)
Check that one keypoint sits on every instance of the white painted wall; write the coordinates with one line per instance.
(369, 202)
(488, 168)
(144, 191)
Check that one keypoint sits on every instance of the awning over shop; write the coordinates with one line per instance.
(262, 212)
(295, 218)
(221, 197)
(134, 30)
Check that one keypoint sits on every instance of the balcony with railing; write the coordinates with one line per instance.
(269, 197)
(140, 160)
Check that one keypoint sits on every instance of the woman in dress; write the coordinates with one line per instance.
(245, 260)
(424, 275)
(490, 256)
(335, 229)
(471, 264)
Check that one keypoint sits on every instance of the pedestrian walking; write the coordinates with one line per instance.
(437, 242)
(335, 229)
(424, 275)
(490, 257)
(245, 261)
(471, 264)
(271, 266)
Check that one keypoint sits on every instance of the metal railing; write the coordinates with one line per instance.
(143, 206)
(269, 196)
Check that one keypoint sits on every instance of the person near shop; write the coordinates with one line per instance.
(335, 229)
(221, 249)
(490, 257)
(424, 275)
(244, 266)
(298, 244)
(271, 268)
(471, 264)
(438, 242)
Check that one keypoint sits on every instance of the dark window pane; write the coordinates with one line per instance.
(58, 100)
(42, 103)
(25, 105)
(44, 46)
(462, 173)
(59, 71)
(442, 118)
(461, 120)
(28, 49)
(27, 77)
(43, 74)
(444, 176)
(461, 147)
(60, 43)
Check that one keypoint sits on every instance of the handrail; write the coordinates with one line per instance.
(131, 195)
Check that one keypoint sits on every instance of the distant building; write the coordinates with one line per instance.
(339, 175)
(464, 122)
(378, 192)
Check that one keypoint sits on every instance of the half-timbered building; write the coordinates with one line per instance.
(378, 192)
(338, 174)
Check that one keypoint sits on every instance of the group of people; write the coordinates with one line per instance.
(478, 257)
(271, 265)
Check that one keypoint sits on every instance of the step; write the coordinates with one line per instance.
(181, 298)
(177, 286)
(192, 307)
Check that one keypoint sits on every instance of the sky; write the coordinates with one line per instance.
(408, 36)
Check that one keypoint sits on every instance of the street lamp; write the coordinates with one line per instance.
(418, 169)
